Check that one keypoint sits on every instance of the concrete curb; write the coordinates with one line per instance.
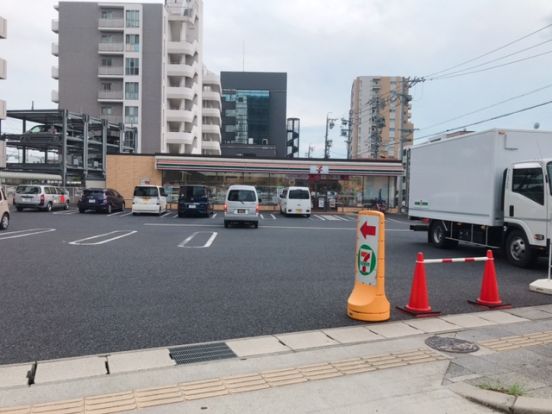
(503, 402)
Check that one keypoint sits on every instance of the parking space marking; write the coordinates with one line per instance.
(165, 214)
(273, 216)
(207, 244)
(262, 216)
(121, 234)
(341, 218)
(396, 221)
(213, 216)
(319, 217)
(267, 227)
(66, 212)
(115, 214)
(330, 218)
(127, 214)
(23, 233)
(175, 216)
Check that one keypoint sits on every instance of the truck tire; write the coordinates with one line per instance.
(518, 250)
(437, 236)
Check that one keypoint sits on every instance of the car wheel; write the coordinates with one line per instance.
(226, 224)
(437, 233)
(109, 209)
(307, 215)
(19, 208)
(4, 222)
(49, 207)
(134, 214)
(518, 250)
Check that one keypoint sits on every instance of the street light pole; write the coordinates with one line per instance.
(327, 142)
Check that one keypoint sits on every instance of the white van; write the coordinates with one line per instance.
(241, 205)
(295, 200)
(4, 211)
(149, 199)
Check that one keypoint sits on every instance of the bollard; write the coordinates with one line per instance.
(367, 301)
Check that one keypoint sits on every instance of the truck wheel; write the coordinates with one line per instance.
(437, 233)
(518, 250)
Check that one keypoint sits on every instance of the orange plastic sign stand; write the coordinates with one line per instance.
(367, 301)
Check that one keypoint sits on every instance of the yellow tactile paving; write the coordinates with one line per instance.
(194, 390)
(515, 342)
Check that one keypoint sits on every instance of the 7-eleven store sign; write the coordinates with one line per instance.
(367, 250)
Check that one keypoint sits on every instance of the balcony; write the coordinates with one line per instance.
(179, 138)
(176, 92)
(55, 72)
(3, 28)
(211, 112)
(181, 70)
(182, 47)
(110, 95)
(211, 146)
(114, 119)
(111, 47)
(179, 115)
(211, 129)
(55, 96)
(3, 69)
(110, 24)
(211, 96)
(111, 71)
(55, 25)
(3, 109)
(55, 49)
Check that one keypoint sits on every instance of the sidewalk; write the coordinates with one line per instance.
(383, 368)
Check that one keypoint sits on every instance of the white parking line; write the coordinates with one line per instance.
(165, 214)
(115, 214)
(341, 218)
(319, 217)
(175, 216)
(261, 216)
(66, 212)
(83, 242)
(208, 243)
(330, 218)
(266, 227)
(273, 216)
(396, 221)
(214, 215)
(18, 233)
(127, 214)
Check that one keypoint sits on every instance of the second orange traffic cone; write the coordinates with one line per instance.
(489, 295)
(418, 305)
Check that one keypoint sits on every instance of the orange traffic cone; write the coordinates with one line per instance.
(418, 305)
(489, 295)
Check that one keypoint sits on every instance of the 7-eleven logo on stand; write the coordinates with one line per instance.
(367, 250)
(366, 259)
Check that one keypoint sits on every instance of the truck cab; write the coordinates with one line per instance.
(527, 210)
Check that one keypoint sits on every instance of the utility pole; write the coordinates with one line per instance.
(330, 122)
(311, 148)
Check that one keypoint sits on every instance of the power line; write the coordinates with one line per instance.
(492, 67)
(488, 107)
(493, 60)
(489, 52)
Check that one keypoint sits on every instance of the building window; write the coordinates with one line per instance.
(107, 110)
(133, 18)
(131, 115)
(106, 86)
(131, 90)
(106, 38)
(132, 43)
(132, 66)
(107, 14)
(107, 62)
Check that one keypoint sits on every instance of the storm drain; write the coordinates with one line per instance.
(199, 353)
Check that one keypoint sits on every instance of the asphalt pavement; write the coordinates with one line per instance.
(75, 284)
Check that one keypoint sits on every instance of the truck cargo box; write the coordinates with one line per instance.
(460, 179)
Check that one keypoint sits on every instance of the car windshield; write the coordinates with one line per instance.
(299, 194)
(193, 193)
(242, 195)
(146, 192)
(93, 193)
(27, 189)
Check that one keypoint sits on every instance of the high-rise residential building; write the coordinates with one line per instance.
(140, 64)
(254, 114)
(3, 64)
(380, 117)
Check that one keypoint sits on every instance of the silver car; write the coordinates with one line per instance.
(241, 205)
(42, 197)
(4, 211)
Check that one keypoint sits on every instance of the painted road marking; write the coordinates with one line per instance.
(115, 214)
(396, 221)
(213, 216)
(273, 216)
(117, 234)
(127, 214)
(319, 217)
(330, 218)
(208, 243)
(165, 214)
(267, 227)
(23, 233)
(66, 212)
(341, 218)
(262, 216)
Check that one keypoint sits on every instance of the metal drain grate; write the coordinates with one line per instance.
(199, 353)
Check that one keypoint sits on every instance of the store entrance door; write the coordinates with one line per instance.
(325, 194)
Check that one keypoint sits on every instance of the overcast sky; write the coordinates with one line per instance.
(323, 45)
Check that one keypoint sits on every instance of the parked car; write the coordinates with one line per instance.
(241, 205)
(149, 199)
(4, 211)
(194, 200)
(42, 197)
(106, 200)
(295, 200)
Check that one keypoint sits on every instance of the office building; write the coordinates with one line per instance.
(380, 117)
(3, 64)
(254, 114)
(140, 64)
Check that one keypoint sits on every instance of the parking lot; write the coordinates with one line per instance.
(77, 284)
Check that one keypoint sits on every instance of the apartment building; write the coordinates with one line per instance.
(380, 117)
(3, 64)
(140, 64)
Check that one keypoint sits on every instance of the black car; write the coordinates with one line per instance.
(101, 199)
(194, 200)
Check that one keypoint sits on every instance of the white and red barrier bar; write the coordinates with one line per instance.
(455, 260)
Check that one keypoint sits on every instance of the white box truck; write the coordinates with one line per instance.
(490, 188)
